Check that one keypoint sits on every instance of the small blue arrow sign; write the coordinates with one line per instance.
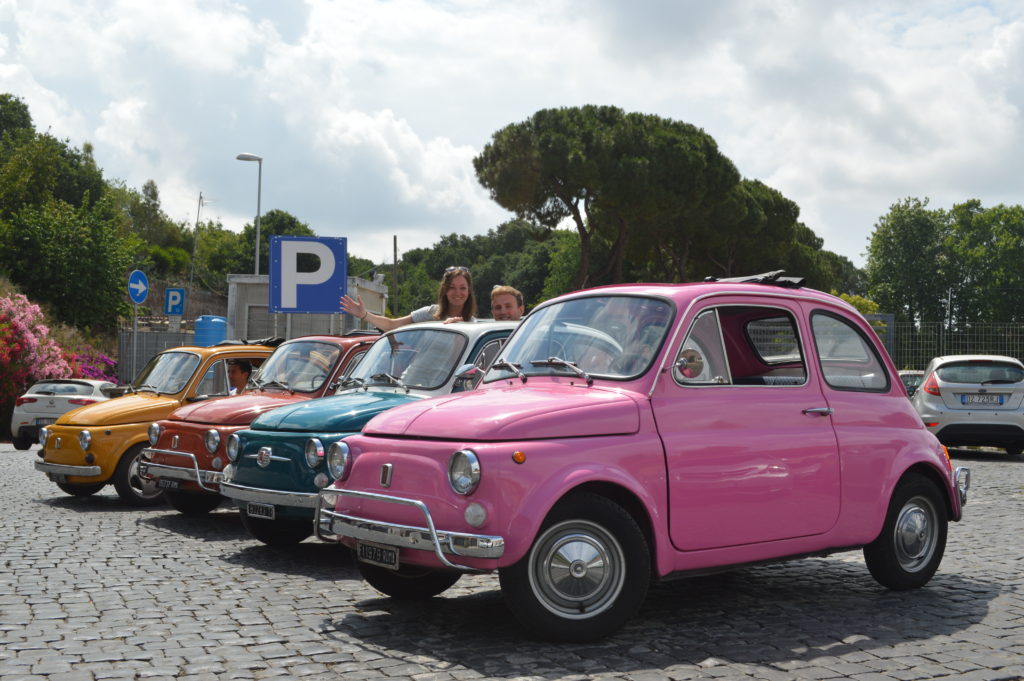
(138, 286)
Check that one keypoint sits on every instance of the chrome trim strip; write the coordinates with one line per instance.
(64, 469)
(195, 474)
(269, 496)
(329, 525)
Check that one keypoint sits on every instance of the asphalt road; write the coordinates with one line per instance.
(90, 589)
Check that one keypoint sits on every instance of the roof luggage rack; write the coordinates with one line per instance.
(772, 278)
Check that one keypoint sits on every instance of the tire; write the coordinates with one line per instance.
(1015, 451)
(23, 442)
(130, 486)
(191, 503)
(586, 574)
(908, 551)
(288, 532)
(86, 490)
(409, 582)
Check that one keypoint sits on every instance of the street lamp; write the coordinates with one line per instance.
(259, 188)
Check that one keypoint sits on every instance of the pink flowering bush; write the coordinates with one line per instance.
(27, 353)
(87, 362)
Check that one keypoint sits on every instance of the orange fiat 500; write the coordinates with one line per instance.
(102, 443)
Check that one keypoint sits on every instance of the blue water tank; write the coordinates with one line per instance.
(210, 330)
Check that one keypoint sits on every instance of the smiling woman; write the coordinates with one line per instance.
(456, 302)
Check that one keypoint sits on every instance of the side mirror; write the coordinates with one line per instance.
(467, 377)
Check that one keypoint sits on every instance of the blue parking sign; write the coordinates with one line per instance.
(174, 302)
(317, 290)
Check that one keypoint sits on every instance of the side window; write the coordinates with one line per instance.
(701, 359)
(215, 381)
(848, 360)
(489, 353)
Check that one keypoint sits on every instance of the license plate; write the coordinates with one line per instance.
(377, 554)
(45, 422)
(257, 510)
(164, 483)
(980, 398)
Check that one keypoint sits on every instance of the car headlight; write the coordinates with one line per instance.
(464, 471)
(44, 435)
(212, 440)
(154, 433)
(84, 439)
(234, 446)
(337, 460)
(314, 452)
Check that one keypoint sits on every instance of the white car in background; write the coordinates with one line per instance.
(974, 400)
(48, 399)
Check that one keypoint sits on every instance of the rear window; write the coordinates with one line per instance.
(980, 372)
(47, 388)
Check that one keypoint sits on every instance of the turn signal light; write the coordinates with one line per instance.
(931, 386)
(18, 401)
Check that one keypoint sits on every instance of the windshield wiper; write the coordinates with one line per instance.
(559, 362)
(509, 366)
(384, 376)
(279, 384)
(352, 380)
(147, 386)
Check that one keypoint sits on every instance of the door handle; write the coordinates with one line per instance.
(819, 411)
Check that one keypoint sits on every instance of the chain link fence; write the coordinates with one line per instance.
(912, 346)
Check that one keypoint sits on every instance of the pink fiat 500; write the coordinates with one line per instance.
(640, 432)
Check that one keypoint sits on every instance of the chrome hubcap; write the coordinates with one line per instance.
(915, 534)
(577, 569)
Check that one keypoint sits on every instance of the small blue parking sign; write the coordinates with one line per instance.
(174, 302)
(138, 286)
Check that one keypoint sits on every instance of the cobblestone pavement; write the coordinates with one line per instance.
(90, 589)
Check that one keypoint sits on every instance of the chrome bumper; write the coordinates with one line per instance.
(269, 496)
(64, 469)
(149, 470)
(963, 482)
(330, 525)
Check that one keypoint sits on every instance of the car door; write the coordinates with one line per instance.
(751, 454)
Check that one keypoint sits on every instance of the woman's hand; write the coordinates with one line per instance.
(354, 307)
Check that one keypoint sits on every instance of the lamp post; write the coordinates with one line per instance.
(259, 189)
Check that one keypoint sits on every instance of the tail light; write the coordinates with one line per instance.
(931, 386)
(24, 400)
(80, 400)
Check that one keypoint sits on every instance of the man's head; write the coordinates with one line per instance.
(506, 304)
(238, 373)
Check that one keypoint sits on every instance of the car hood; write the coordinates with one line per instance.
(521, 412)
(347, 412)
(234, 411)
(135, 408)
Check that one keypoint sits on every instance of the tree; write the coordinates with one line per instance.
(275, 223)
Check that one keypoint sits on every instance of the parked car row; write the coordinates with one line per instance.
(614, 437)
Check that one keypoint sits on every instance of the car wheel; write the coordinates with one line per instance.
(191, 503)
(23, 442)
(77, 490)
(1015, 451)
(908, 551)
(132, 487)
(409, 582)
(286, 532)
(586, 574)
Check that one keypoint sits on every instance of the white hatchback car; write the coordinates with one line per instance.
(48, 399)
(974, 400)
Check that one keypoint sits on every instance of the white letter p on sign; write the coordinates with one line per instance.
(291, 278)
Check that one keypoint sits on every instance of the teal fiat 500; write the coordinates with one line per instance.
(280, 463)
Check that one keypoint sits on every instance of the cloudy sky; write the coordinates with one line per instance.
(368, 112)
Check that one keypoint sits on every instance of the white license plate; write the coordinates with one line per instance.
(45, 422)
(164, 483)
(980, 398)
(257, 510)
(377, 554)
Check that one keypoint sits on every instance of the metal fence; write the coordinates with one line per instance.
(912, 345)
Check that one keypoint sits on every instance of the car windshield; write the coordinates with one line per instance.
(167, 372)
(61, 388)
(302, 366)
(980, 371)
(412, 357)
(608, 336)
